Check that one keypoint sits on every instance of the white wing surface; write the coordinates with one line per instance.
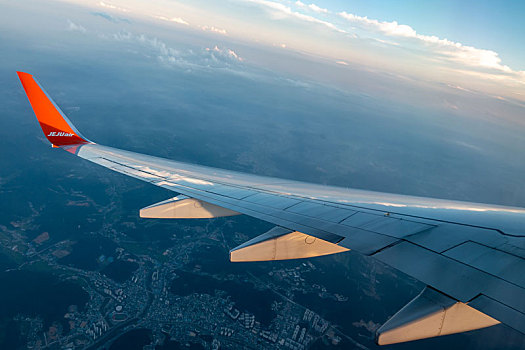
(471, 256)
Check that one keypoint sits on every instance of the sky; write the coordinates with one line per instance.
(423, 114)
(494, 25)
(473, 45)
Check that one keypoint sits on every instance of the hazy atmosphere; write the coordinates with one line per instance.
(334, 93)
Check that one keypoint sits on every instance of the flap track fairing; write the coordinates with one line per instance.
(182, 207)
(282, 244)
(431, 314)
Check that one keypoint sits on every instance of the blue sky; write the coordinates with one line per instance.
(495, 25)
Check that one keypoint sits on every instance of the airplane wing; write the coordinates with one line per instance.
(471, 256)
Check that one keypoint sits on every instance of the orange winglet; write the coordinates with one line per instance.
(54, 123)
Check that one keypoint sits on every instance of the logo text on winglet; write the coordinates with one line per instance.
(59, 133)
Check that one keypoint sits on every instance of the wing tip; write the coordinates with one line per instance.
(24, 77)
(56, 126)
(23, 74)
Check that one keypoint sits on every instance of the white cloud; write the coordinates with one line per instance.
(178, 20)
(214, 30)
(120, 36)
(111, 6)
(312, 7)
(75, 27)
(228, 53)
(103, 4)
(343, 63)
(453, 51)
(434, 58)
(287, 11)
(216, 57)
(389, 28)
(386, 42)
(317, 9)
(458, 87)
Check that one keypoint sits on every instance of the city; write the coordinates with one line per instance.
(171, 299)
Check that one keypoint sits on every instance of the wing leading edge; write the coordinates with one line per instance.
(471, 256)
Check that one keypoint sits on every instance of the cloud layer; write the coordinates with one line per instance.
(340, 36)
(456, 51)
(281, 9)
(215, 57)
(75, 27)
